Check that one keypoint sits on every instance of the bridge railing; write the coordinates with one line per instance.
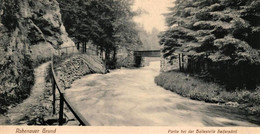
(63, 99)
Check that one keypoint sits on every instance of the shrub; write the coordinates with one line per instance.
(22, 74)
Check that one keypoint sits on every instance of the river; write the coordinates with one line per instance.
(129, 97)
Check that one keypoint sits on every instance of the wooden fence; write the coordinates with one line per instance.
(226, 72)
(63, 99)
(79, 49)
(193, 64)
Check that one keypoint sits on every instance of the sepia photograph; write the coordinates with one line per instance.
(120, 65)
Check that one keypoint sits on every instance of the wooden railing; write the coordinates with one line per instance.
(73, 49)
(63, 98)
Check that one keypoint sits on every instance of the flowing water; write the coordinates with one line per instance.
(129, 97)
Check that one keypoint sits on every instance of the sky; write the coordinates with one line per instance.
(153, 17)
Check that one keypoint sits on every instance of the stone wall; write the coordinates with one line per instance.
(78, 66)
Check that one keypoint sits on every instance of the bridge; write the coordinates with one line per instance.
(148, 53)
(138, 56)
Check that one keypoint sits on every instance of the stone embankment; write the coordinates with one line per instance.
(74, 68)
(78, 66)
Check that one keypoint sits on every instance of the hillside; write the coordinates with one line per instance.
(30, 31)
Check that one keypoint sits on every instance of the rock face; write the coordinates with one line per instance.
(30, 30)
(39, 26)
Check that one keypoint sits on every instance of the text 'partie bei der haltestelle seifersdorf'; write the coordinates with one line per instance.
(203, 131)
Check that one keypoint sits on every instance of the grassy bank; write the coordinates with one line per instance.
(197, 89)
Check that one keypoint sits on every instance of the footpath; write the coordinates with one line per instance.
(27, 112)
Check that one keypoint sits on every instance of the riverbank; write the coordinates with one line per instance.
(196, 89)
(37, 108)
(73, 67)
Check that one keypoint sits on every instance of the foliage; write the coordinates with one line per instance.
(226, 31)
(108, 24)
(199, 25)
(8, 18)
(150, 40)
(17, 83)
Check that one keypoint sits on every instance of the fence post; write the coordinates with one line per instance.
(188, 63)
(61, 109)
(53, 94)
(53, 86)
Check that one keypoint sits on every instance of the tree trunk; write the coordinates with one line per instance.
(78, 45)
(101, 53)
(107, 54)
(114, 54)
(114, 58)
(107, 58)
(180, 62)
(85, 49)
(83, 44)
(97, 53)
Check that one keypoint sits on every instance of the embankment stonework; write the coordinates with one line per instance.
(78, 66)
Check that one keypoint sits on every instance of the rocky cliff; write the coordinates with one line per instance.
(30, 30)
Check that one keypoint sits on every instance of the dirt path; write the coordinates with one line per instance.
(19, 114)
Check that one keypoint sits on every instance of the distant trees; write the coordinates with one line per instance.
(211, 25)
(108, 24)
(150, 40)
(227, 31)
